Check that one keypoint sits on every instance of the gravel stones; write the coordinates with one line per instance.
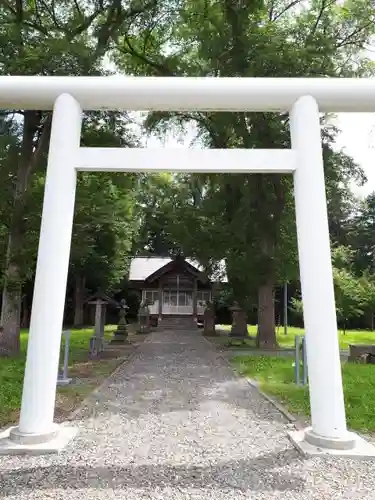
(176, 423)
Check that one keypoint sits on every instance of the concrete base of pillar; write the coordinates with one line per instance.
(12, 442)
(354, 446)
(63, 381)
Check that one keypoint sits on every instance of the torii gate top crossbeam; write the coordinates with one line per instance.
(187, 94)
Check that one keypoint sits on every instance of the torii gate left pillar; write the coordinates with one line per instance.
(36, 431)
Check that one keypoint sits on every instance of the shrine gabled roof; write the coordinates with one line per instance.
(143, 267)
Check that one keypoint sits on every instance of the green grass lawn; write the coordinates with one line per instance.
(276, 377)
(12, 371)
(350, 337)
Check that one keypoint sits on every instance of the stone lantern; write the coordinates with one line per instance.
(121, 333)
(144, 317)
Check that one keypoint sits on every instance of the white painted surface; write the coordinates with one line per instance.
(190, 94)
(180, 310)
(177, 302)
(325, 382)
(362, 449)
(55, 445)
(186, 160)
(168, 308)
(154, 308)
(39, 391)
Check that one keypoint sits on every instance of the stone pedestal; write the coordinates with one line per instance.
(121, 334)
(209, 321)
(239, 322)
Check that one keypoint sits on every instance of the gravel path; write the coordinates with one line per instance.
(175, 423)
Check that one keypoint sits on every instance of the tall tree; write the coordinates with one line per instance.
(362, 234)
(258, 39)
(105, 214)
(47, 38)
(157, 199)
(34, 43)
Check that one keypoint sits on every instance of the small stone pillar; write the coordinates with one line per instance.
(144, 318)
(209, 320)
(121, 333)
(100, 302)
(239, 321)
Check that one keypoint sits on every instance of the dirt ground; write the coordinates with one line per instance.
(87, 375)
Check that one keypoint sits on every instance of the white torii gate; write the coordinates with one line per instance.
(303, 98)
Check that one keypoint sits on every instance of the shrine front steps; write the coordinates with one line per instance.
(177, 323)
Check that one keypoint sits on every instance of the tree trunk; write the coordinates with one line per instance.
(11, 312)
(34, 140)
(79, 299)
(12, 292)
(25, 313)
(266, 337)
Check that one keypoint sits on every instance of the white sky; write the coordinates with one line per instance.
(358, 140)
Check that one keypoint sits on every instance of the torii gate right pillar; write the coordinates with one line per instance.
(323, 356)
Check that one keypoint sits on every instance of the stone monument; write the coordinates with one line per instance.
(239, 322)
(209, 320)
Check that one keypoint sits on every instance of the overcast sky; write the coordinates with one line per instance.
(358, 140)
